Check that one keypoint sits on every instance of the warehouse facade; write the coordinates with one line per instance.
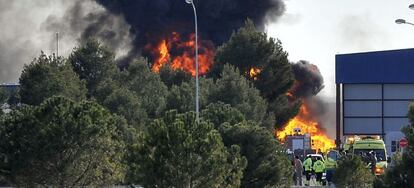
(374, 91)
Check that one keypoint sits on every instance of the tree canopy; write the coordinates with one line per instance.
(122, 101)
(93, 63)
(61, 143)
(268, 165)
(178, 152)
(151, 91)
(250, 50)
(402, 173)
(49, 76)
(352, 172)
(234, 89)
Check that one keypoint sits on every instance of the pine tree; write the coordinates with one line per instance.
(49, 76)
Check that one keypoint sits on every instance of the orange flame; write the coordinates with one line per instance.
(307, 124)
(254, 72)
(184, 54)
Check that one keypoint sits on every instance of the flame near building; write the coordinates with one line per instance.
(178, 52)
(308, 124)
(309, 82)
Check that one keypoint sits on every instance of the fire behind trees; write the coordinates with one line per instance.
(242, 108)
(136, 99)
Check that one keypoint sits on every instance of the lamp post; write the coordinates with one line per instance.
(196, 59)
(402, 21)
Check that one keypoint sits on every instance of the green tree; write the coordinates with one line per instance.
(182, 97)
(93, 63)
(61, 143)
(122, 101)
(177, 152)
(147, 85)
(49, 76)
(402, 174)
(3, 99)
(234, 89)
(352, 172)
(3, 96)
(247, 49)
(172, 77)
(268, 165)
(219, 113)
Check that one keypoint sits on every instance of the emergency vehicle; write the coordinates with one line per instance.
(364, 145)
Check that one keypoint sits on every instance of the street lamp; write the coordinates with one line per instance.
(196, 59)
(402, 21)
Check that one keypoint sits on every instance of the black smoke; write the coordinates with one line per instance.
(151, 20)
(308, 83)
(309, 80)
(85, 19)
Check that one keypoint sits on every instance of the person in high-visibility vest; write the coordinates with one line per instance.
(330, 166)
(319, 168)
(307, 164)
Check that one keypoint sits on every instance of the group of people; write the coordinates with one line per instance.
(311, 165)
(371, 159)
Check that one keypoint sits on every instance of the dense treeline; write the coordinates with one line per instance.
(83, 121)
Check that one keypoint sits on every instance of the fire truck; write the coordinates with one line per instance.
(299, 144)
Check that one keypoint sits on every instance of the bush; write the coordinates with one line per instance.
(352, 172)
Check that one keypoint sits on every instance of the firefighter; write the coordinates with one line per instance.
(319, 168)
(307, 164)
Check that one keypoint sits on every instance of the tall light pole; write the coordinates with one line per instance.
(196, 60)
(402, 21)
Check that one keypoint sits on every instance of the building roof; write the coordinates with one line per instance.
(392, 67)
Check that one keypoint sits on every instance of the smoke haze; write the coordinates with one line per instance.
(29, 27)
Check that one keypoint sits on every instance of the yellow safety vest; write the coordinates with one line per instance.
(330, 163)
(319, 166)
(308, 164)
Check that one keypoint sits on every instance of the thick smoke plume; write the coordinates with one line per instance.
(308, 83)
(309, 80)
(126, 26)
(151, 20)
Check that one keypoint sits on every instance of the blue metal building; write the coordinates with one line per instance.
(374, 91)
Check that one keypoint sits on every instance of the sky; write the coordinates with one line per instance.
(317, 30)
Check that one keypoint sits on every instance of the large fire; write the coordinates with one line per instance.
(307, 124)
(179, 52)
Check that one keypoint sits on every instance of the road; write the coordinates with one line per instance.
(312, 184)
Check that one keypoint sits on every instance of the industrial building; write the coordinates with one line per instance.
(374, 91)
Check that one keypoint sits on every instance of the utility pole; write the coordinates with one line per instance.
(57, 44)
